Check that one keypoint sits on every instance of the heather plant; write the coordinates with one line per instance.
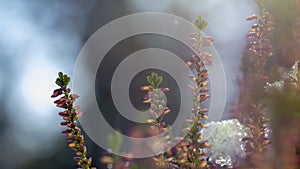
(268, 108)
(251, 110)
(283, 99)
(283, 88)
(158, 110)
(268, 87)
(70, 116)
(194, 142)
(190, 152)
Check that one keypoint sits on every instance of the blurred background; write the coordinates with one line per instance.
(40, 38)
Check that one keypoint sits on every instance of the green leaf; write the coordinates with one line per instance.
(204, 24)
(149, 80)
(115, 141)
(58, 82)
(60, 75)
(154, 80)
(159, 80)
(154, 76)
(134, 166)
(65, 78)
(68, 80)
(200, 23)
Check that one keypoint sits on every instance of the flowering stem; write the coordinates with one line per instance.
(70, 117)
(199, 94)
(158, 110)
(251, 110)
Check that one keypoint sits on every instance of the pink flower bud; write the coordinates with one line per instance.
(76, 158)
(72, 145)
(56, 93)
(69, 139)
(66, 131)
(77, 129)
(203, 97)
(71, 125)
(204, 90)
(147, 101)
(64, 123)
(252, 17)
(61, 100)
(79, 114)
(67, 118)
(64, 113)
(77, 107)
(90, 160)
(145, 88)
(189, 63)
(165, 89)
(61, 105)
(74, 96)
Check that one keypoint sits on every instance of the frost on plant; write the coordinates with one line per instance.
(288, 78)
(226, 140)
(275, 86)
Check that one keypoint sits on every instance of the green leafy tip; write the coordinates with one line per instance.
(115, 141)
(62, 80)
(200, 23)
(154, 80)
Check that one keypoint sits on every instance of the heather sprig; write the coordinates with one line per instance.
(190, 152)
(284, 102)
(199, 93)
(70, 116)
(200, 42)
(251, 109)
(158, 110)
(260, 49)
(155, 96)
(259, 38)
